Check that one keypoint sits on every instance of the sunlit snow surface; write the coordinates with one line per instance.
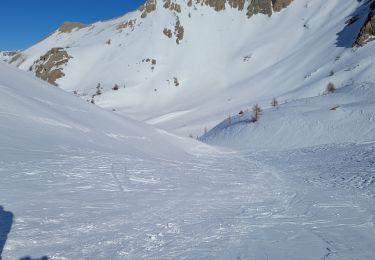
(315, 203)
(225, 63)
(84, 183)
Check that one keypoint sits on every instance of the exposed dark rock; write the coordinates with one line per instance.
(367, 32)
(278, 5)
(147, 8)
(168, 32)
(179, 31)
(175, 81)
(49, 66)
(68, 27)
(220, 5)
(254, 7)
(172, 6)
(352, 20)
(12, 57)
(266, 7)
(259, 6)
(128, 24)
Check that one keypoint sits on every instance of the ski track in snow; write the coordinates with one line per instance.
(280, 205)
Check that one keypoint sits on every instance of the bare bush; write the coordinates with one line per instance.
(229, 120)
(274, 103)
(331, 88)
(257, 112)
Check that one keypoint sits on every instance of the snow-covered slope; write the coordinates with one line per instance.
(346, 116)
(36, 118)
(184, 65)
(81, 182)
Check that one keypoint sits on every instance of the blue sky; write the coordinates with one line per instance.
(25, 22)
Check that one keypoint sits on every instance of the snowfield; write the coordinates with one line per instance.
(345, 116)
(292, 205)
(84, 194)
(119, 179)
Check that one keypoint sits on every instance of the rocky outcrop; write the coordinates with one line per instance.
(17, 59)
(254, 7)
(266, 7)
(367, 32)
(168, 4)
(7, 56)
(168, 32)
(49, 67)
(179, 31)
(220, 5)
(259, 6)
(278, 5)
(68, 27)
(147, 8)
(128, 24)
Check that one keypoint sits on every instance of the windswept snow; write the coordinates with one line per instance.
(291, 205)
(86, 182)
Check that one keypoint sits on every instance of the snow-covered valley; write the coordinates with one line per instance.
(95, 158)
(224, 62)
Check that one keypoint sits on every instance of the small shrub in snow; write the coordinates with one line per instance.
(229, 120)
(274, 103)
(98, 90)
(115, 87)
(257, 112)
(331, 73)
(176, 83)
(108, 42)
(331, 88)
